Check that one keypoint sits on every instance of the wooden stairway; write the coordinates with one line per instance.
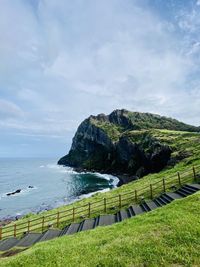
(30, 239)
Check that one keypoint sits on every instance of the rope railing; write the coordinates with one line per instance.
(104, 205)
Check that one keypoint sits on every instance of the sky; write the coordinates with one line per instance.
(63, 60)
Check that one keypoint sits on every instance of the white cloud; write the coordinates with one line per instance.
(63, 60)
(9, 110)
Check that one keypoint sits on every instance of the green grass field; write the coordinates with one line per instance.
(168, 236)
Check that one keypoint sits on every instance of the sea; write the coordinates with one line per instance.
(44, 185)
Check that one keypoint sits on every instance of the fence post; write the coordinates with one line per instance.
(28, 226)
(89, 209)
(73, 214)
(120, 201)
(151, 191)
(0, 233)
(194, 173)
(42, 223)
(15, 230)
(164, 187)
(105, 204)
(136, 196)
(179, 178)
(58, 218)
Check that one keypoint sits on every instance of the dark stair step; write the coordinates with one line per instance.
(165, 199)
(173, 195)
(189, 189)
(50, 234)
(8, 243)
(144, 207)
(104, 220)
(135, 210)
(159, 202)
(64, 230)
(73, 228)
(122, 215)
(87, 224)
(195, 186)
(29, 239)
(183, 192)
(151, 205)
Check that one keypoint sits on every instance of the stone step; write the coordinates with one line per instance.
(73, 228)
(104, 220)
(122, 215)
(8, 243)
(144, 207)
(183, 192)
(64, 230)
(50, 234)
(159, 202)
(173, 195)
(151, 205)
(165, 199)
(189, 189)
(135, 210)
(87, 224)
(195, 186)
(29, 239)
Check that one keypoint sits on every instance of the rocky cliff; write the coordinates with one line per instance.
(122, 143)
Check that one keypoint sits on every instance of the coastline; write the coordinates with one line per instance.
(12, 218)
(123, 178)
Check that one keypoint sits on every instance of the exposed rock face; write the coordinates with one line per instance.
(89, 143)
(121, 143)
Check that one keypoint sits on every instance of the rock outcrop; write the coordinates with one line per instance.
(122, 143)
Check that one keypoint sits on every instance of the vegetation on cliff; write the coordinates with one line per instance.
(125, 143)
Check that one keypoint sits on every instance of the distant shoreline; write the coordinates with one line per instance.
(9, 219)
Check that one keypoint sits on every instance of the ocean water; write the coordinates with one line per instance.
(52, 185)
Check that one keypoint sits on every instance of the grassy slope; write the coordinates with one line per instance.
(181, 142)
(168, 236)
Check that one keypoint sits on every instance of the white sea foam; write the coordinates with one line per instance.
(93, 193)
(70, 170)
(61, 169)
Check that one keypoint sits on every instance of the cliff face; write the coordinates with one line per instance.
(122, 143)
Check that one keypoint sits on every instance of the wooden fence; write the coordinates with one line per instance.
(105, 205)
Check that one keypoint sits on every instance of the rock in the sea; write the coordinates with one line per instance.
(122, 143)
(15, 192)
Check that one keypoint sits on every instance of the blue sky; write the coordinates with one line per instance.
(64, 60)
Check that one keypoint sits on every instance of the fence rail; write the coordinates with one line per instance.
(109, 204)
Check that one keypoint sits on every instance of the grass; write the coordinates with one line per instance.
(168, 236)
(112, 130)
(184, 144)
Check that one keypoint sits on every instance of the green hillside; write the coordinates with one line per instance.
(168, 236)
(122, 120)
